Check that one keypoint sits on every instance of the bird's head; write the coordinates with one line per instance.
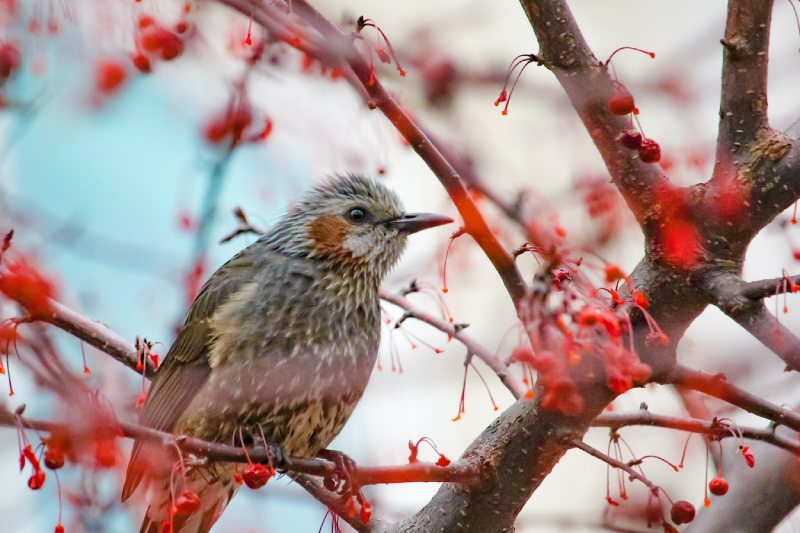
(351, 222)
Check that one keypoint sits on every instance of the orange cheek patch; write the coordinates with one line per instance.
(329, 233)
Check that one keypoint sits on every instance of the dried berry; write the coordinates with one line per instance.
(187, 503)
(631, 139)
(54, 458)
(621, 101)
(650, 151)
(256, 475)
(682, 512)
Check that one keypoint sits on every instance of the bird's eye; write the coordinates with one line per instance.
(357, 214)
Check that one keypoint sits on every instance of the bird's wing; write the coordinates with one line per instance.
(186, 366)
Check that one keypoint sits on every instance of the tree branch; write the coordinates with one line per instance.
(766, 288)
(473, 347)
(743, 104)
(727, 291)
(715, 429)
(625, 467)
(465, 472)
(719, 387)
(589, 86)
(95, 334)
(754, 503)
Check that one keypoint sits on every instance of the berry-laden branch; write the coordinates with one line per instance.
(463, 472)
(715, 429)
(341, 50)
(589, 87)
(754, 503)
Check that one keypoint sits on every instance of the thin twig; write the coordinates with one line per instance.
(713, 428)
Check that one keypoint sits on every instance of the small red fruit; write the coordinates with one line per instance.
(650, 151)
(748, 456)
(171, 46)
(256, 476)
(366, 512)
(109, 77)
(631, 139)
(621, 101)
(718, 486)
(54, 458)
(142, 63)
(442, 461)
(187, 503)
(105, 453)
(10, 60)
(682, 512)
(36, 481)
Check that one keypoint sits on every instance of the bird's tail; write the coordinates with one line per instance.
(172, 511)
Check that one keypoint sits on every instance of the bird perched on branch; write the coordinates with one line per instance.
(276, 349)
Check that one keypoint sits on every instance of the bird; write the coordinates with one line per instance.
(277, 347)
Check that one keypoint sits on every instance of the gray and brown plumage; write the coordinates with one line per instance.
(281, 340)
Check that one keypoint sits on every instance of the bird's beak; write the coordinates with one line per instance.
(415, 222)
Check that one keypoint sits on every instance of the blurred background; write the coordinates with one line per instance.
(117, 188)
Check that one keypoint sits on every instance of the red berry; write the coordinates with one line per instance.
(109, 77)
(59, 529)
(748, 456)
(181, 26)
(142, 63)
(682, 512)
(54, 458)
(621, 102)
(171, 46)
(36, 481)
(650, 151)
(105, 453)
(256, 475)
(366, 512)
(217, 130)
(631, 139)
(240, 119)
(187, 503)
(442, 461)
(10, 60)
(145, 21)
(640, 299)
(718, 486)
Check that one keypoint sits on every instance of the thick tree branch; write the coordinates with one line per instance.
(719, 387)
(715, 429)
(589, 86)
(743, 104)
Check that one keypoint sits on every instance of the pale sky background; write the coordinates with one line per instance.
(101, 188)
